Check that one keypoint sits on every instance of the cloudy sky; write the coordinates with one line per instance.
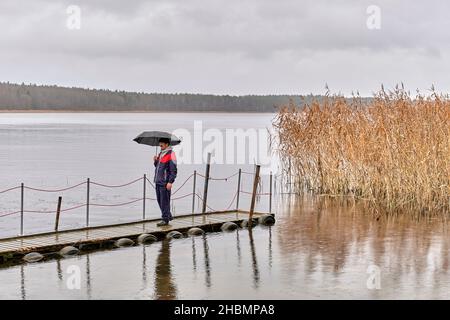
(227, 46)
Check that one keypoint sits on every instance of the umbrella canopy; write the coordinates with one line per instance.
(151, 138)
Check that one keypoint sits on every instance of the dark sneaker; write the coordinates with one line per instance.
(162, 224)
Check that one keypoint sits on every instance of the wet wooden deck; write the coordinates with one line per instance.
(97, 237)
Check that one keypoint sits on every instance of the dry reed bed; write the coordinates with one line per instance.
(393, 151)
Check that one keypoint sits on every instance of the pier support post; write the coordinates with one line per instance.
(144, 196)
(58, 212)
(275, 185)
(194, 186)
(205, 190)
(270, 192)
(255, 188)
(88, 191)
(22, 189)
(238, 189)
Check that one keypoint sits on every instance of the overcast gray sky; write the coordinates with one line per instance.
(227, 46)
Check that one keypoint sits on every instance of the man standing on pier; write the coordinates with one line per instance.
(165, 174)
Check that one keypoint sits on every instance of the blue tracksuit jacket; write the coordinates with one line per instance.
(165, 168)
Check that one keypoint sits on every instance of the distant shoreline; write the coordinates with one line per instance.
(32, 98)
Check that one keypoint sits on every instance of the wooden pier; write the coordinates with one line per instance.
(92, 238)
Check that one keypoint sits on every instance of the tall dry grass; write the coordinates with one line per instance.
(393, 151)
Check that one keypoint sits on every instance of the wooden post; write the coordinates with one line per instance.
(205, 190)
(193, 191)
(58, 212)
(88, 190)
(145, 195)
(238, 189)
(255, 187)
(270, 192)
(22, 189)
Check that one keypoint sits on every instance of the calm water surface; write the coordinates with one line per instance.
(318, 248)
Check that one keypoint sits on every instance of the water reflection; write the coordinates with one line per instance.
(238, 249)
(336, 229)
(88, 277)
(165, 284)
(22, 283)
(270, 248)
(144, 266)
(333, 236)
(165, 288)
(59, 270)
(207, 264)
(194, 257)
(254, 259)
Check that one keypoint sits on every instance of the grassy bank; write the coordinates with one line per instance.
(393, 151)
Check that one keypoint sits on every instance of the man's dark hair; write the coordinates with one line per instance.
(164, 140)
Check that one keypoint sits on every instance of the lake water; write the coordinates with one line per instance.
(318, 249)
(60, 150)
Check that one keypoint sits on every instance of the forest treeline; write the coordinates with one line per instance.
(30, 97)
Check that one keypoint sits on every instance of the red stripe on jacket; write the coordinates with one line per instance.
(168, 157)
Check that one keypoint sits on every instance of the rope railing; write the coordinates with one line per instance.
(257, 194)
(54, 211)
(232, 201)
(182, 197)
(89, 204)
(116, 204)
(219, 179)
(116, 186)
(10, 189)
(176, 190)
(74, 186)
(184, 183)
(9, 214)
(55, 190)
(151, 183)
(120, 185)
(202, 200)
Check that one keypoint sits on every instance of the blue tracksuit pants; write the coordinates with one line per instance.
(163, 197)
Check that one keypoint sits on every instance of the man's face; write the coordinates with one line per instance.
(163, 145)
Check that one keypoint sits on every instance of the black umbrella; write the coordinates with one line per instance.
(152, 138)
